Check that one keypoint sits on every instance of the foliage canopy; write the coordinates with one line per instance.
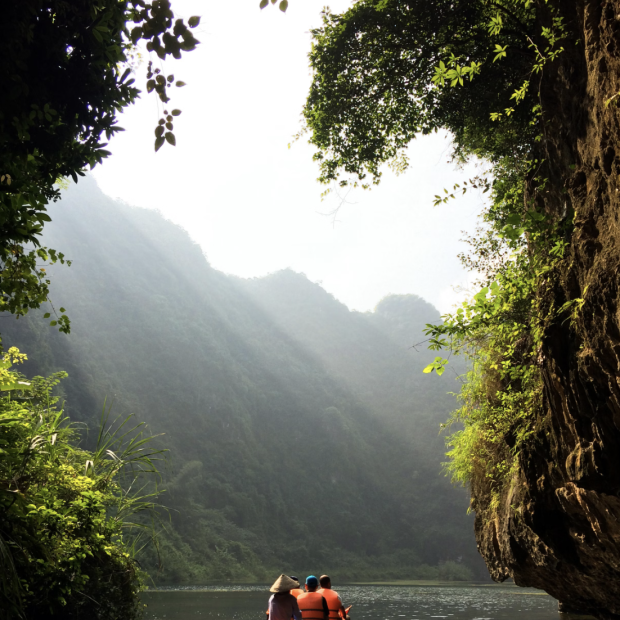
(66, 74)
(380, 77)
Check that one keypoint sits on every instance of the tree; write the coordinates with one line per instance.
(374, 84)
(66, 69)
(530, 86)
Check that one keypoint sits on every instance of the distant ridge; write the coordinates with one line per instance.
(301, 435)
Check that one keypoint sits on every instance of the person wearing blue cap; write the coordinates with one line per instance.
(312, 604)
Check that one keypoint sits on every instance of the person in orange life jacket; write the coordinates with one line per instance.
(334, 602)
(282, 604)
(312, 604)
(296, 591)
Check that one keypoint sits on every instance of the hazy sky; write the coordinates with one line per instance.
(254, 204)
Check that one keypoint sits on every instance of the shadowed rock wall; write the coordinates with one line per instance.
(558, 527)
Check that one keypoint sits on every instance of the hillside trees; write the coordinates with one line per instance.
(253, 378)
(529, 87)
(66, 74)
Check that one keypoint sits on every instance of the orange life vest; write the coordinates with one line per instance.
(333, 602)
(311, 605)
(297, 591)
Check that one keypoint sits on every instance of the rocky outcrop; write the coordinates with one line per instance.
(558, 525)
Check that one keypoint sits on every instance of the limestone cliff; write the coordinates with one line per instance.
(558, 525)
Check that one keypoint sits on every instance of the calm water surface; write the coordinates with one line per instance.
(377, 602)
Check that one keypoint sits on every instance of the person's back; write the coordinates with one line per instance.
(282, 604)
(312, 604)
(334, 602)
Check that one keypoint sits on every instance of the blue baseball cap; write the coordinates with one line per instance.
(312, 581)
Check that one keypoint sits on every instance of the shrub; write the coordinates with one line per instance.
(64, 511)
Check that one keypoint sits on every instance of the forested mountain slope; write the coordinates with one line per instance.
(302, 436)
(374, 353)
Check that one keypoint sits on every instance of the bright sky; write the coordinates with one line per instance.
(254, 204)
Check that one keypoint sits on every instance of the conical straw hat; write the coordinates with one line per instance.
(284, 584)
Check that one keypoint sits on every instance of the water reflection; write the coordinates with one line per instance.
(376, 602)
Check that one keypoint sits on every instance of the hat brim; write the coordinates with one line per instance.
(283, 584)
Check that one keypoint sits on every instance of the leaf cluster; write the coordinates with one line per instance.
(282, 4)
(64, 510)
(378, 71)
(501, 331)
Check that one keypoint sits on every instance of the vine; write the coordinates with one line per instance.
(500, 330)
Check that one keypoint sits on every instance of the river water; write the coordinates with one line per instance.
(375, 602)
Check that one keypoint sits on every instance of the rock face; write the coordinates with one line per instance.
(558, 525)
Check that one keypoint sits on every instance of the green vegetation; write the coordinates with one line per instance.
(66, 73)
(276, 402)
(66, 68)
(386, 71)
(66, 542)
(380, 77)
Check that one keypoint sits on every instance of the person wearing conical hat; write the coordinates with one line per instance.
(282, 604)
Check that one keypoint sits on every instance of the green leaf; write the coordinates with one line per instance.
(176, 112)
(46, 315)
(170, 138)
(180, 84)
(193, 21)
(159, 142)
(284, 5)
